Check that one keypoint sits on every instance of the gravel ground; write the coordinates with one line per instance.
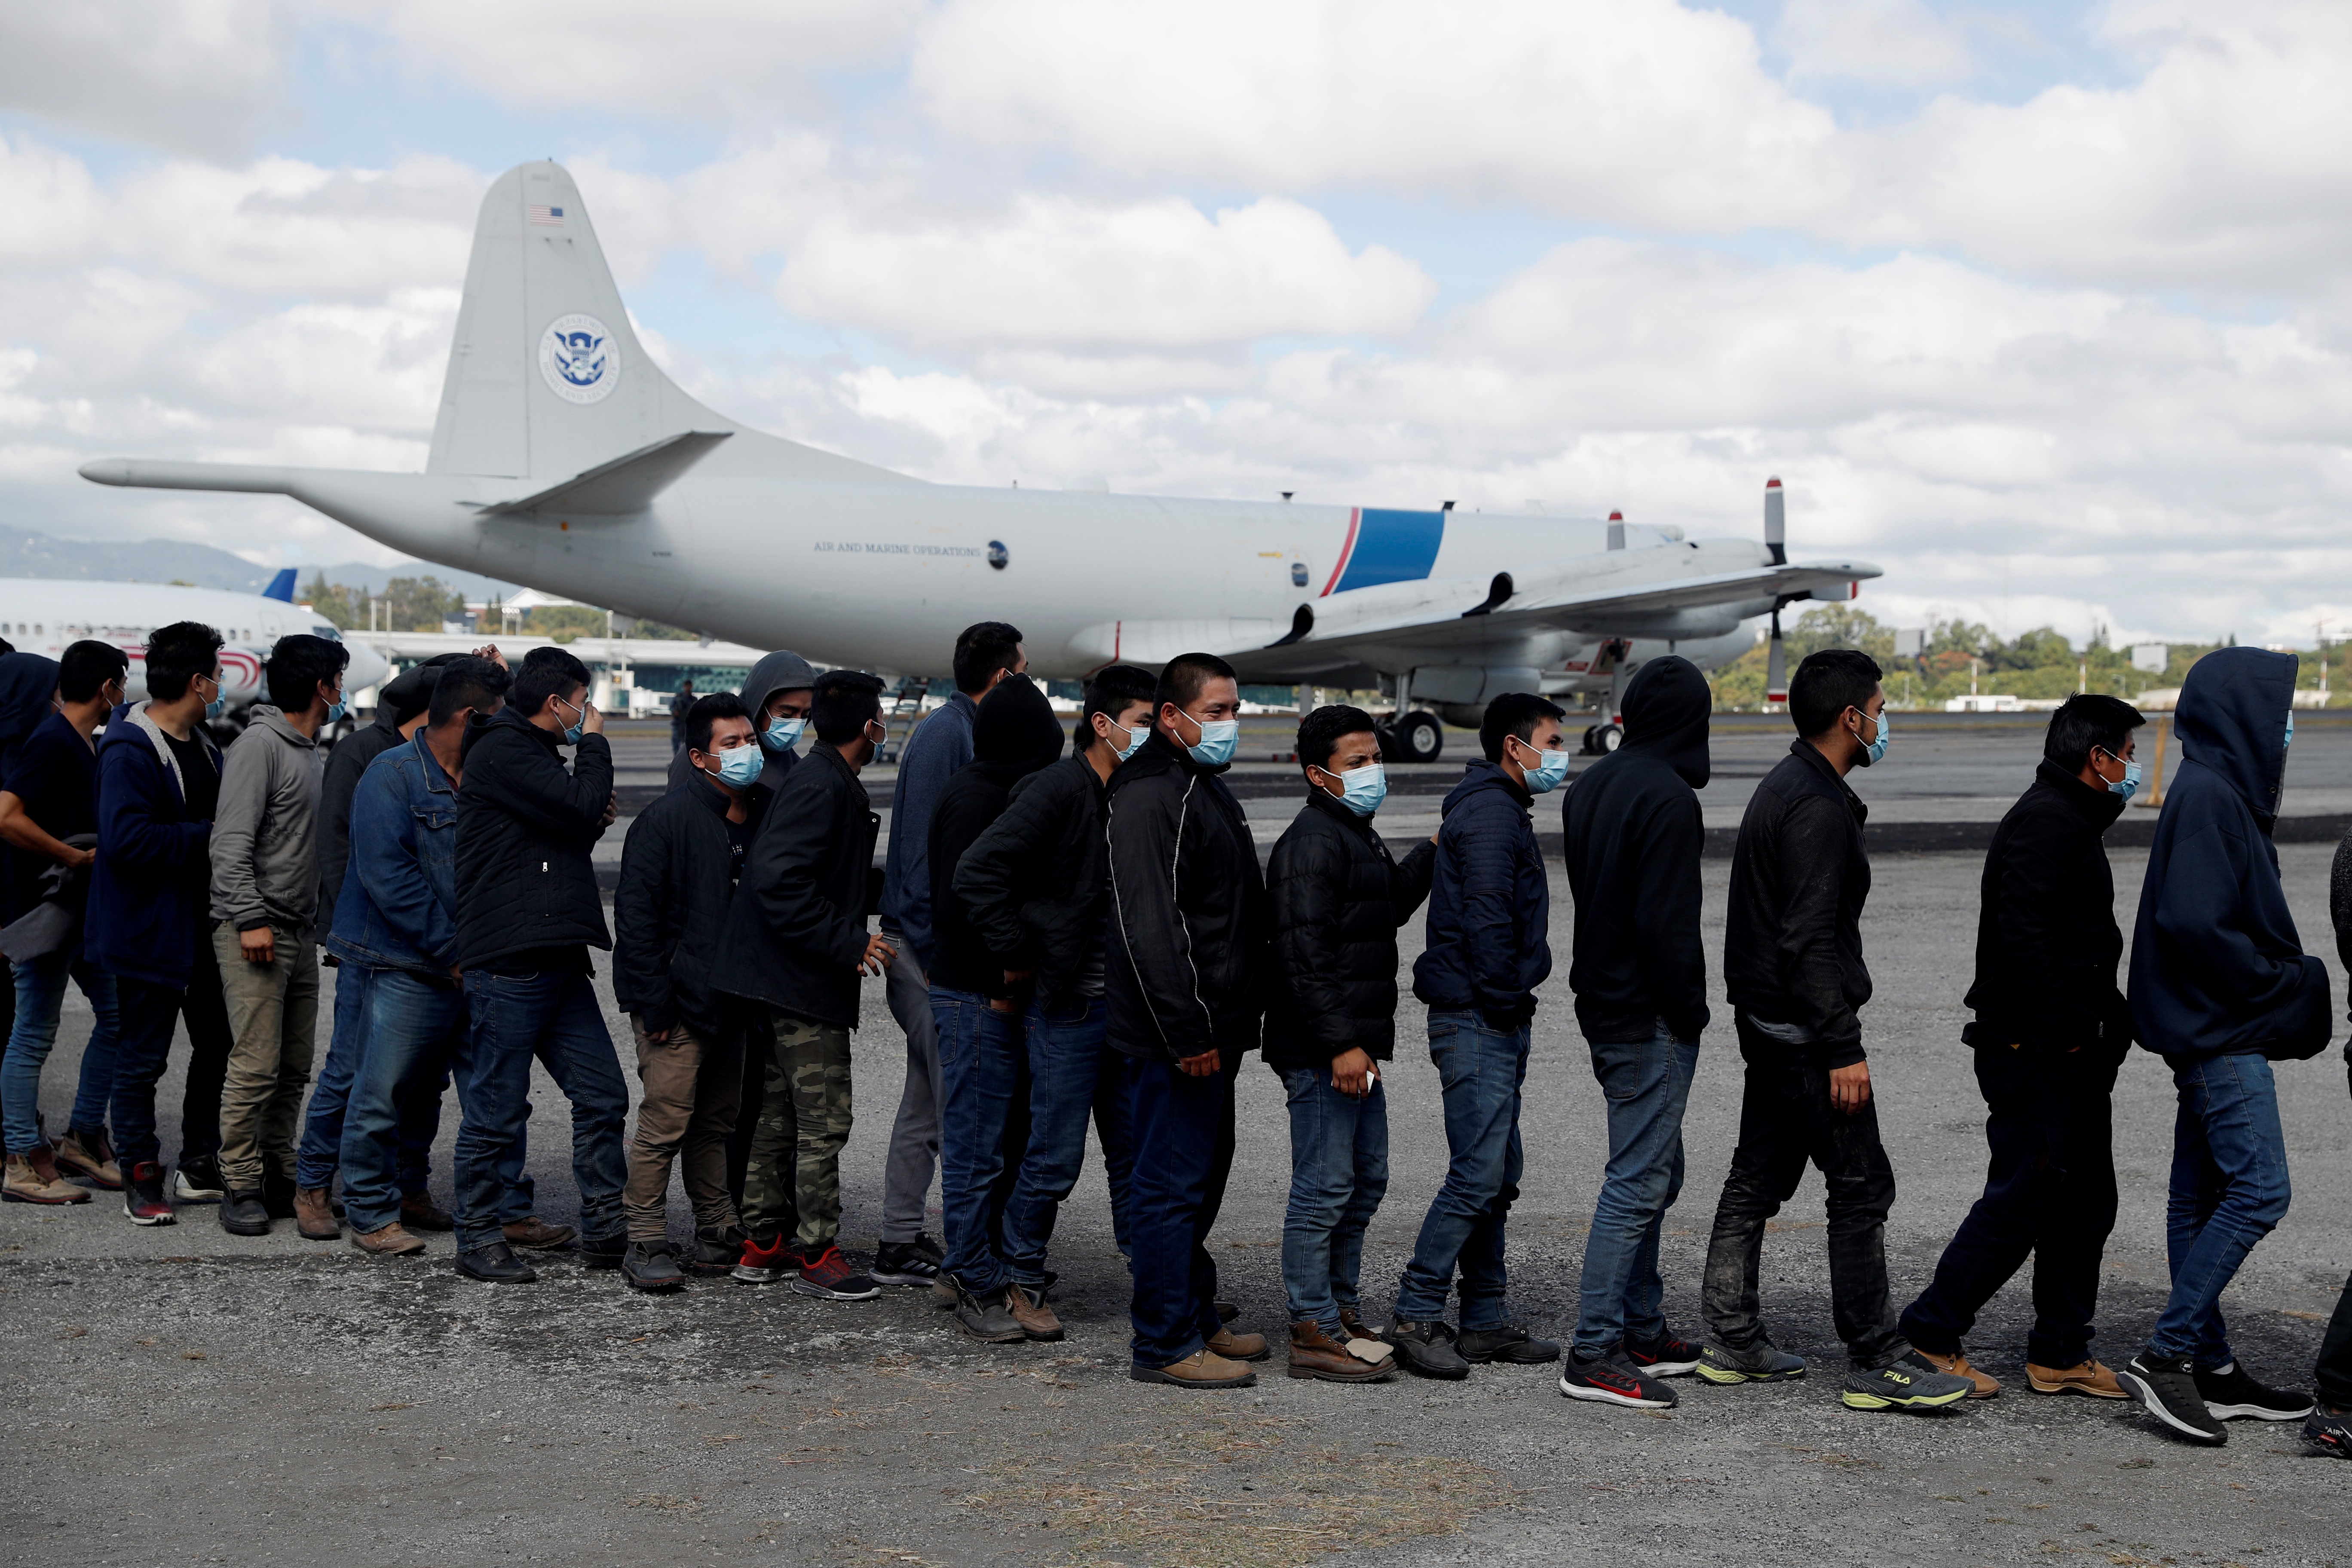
(203, 1398)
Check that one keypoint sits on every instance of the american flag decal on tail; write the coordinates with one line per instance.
(546, 217)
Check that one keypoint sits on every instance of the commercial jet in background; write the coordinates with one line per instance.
(44, 615)
(563, 458)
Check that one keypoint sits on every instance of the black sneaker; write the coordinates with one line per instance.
(1505, 1342)
(244, 1214)
(902, 1263)
(1427, 1348)
(987, 1317)
(831, 1276)
(651, 1266)
(1668, 1357)
(1612, 1381)
(2166, 1387)
(496, 1265)
(717, 1250)
(2329, 1428)
(142, 1195)
(1763, 1361)
(198, 1181)
(1910, 1382)
(2230, 1391)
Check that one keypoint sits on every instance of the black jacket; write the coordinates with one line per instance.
(338, 783)
(1337, 898)
(1793, 928)
(1489, 936)
(1036, 882)
(797, 927)
(2047, 943)
(1185, 970)
(669, 913)
(2217, 967)
(1014, 735)
(526, 826)
(1632, 833)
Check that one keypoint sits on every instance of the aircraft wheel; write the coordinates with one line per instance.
(1607, 738)
(1592, 740)
(1419, 737)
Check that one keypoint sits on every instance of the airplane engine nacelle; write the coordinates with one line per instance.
(1467, 686)
(1684, 626)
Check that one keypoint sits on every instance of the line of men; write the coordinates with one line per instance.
(1089, 939)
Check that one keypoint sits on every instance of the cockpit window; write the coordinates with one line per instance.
(329, 632)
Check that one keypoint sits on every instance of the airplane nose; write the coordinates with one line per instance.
(368, 667)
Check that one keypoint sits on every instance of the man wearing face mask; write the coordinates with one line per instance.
(1488, 948)
(678, 872)
(2051, 1030)
(1337, 897)
(1792, 966)
(1184, 981)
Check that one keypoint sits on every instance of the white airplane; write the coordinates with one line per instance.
(564, 459)
(44, 614)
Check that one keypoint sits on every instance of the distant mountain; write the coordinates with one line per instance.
(25, 553)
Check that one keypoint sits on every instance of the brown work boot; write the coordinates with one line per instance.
(1201, 1368)
(89, 1156)
(2091, 1378)
(314, 1217)
(391, 1241)
(1985, 1385)
(536, 1234)
(1027, 1305)
(1314, 1353)
(33, 1179)
(1238, 1347)
(1351, 1325)
(419, 1212)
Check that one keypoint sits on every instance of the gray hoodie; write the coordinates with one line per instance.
(779, 671)
(265, 848)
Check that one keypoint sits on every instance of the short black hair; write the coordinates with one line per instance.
(2087, 720)
(1181, 678)
(546, 672)
(1115, 688)
(1827, 683)
(86, 666)
(981, 650)
(1320, 731)
(297, 664)
(465, 683)
(1514, 714)
(707, 710)
(847, 700)
(176, 654)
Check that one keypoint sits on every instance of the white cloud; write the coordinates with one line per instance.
(1899, 43)
(185, 75)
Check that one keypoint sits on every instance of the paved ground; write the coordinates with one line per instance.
(184, 1396)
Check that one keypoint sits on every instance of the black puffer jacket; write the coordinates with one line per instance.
(526, 825)
(2047, 943)
(1036, 883)
(1184, 970)
(1014, 735)
(1489, 927)
(1337, 897)
(1792, 930)
(797, 928)
(1632, 833)
(669, 913)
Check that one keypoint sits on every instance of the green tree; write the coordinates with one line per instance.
(420, 604)
(346, 607)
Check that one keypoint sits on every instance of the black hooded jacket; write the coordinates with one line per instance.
(526, 827)
(2047, 945)
(796, 929)
(1014, 734)
(671, 910)
(1035, 882)
(1792, 924)
(2217, 967)
(1633, 832)
(1338, 897)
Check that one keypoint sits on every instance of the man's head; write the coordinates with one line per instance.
(179, 653)
(1196, 689)
(306, 671)
(985, 654)
(464, 687)
(1118, 708)
(550, 675)
(2093, 732)
(90, 668)
(1336, 739)
(847, 708)
(1835, 700)
(1518, 729)
(716, 725)
(687, 685)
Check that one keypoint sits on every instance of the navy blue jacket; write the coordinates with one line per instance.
(937, 750)
(149, 890)
(398, 905)
(2217, 967)
(1489, 904)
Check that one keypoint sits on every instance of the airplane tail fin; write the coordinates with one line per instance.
(547, 378)
(282, 587)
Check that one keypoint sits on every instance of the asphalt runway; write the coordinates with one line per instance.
(189, 1397)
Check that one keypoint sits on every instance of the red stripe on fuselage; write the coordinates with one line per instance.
(1355, 521)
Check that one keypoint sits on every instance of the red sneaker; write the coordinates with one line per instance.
(764, 1264)
(142, 1195)
(829, 1276)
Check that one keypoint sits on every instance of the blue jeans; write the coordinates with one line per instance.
(2229, 1191)
(40, 995)
(1339, 1174)
(510, 1020)
(1065, 1067)
(1183, 1130)
(1481, 1069)
(1647, 1083)
(979, 1074)
(415, 1036)
(323, 1123)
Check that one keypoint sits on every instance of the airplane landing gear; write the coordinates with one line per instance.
(1600, 739)
(1417, 737)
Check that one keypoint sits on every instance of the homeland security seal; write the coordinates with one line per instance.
(579, 360)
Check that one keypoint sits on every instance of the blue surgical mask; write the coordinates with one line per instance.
(1363, 788)
(1135, 738)
(1218, 739)
(571, 736)
(2127, 786)
(2290, 727)
(741, 766)
(783, 734)
(1877, 748)
(1549, 774)
(335, 711)
(216, 707)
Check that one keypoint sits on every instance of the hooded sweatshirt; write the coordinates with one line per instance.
(2217, 967)
(1014, 734)
(783, 670)
(266, 831)
(1632, 833)
(147, 889)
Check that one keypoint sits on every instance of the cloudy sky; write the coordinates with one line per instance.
(2043, 307)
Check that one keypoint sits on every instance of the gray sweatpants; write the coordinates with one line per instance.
(914, 1136)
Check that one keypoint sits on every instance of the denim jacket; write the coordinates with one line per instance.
(399, 901)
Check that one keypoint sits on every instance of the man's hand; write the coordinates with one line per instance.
(1351, 1073)
(592, 720)
(1014, 980)
(877, 956)
(1850, 1088)
(81, 859)
(1203, 1066)
(490, 651)
(260, 944)
(611, 808)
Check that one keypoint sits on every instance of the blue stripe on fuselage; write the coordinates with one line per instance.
(1393, 547)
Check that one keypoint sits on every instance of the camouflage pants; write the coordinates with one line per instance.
(793, 1177)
